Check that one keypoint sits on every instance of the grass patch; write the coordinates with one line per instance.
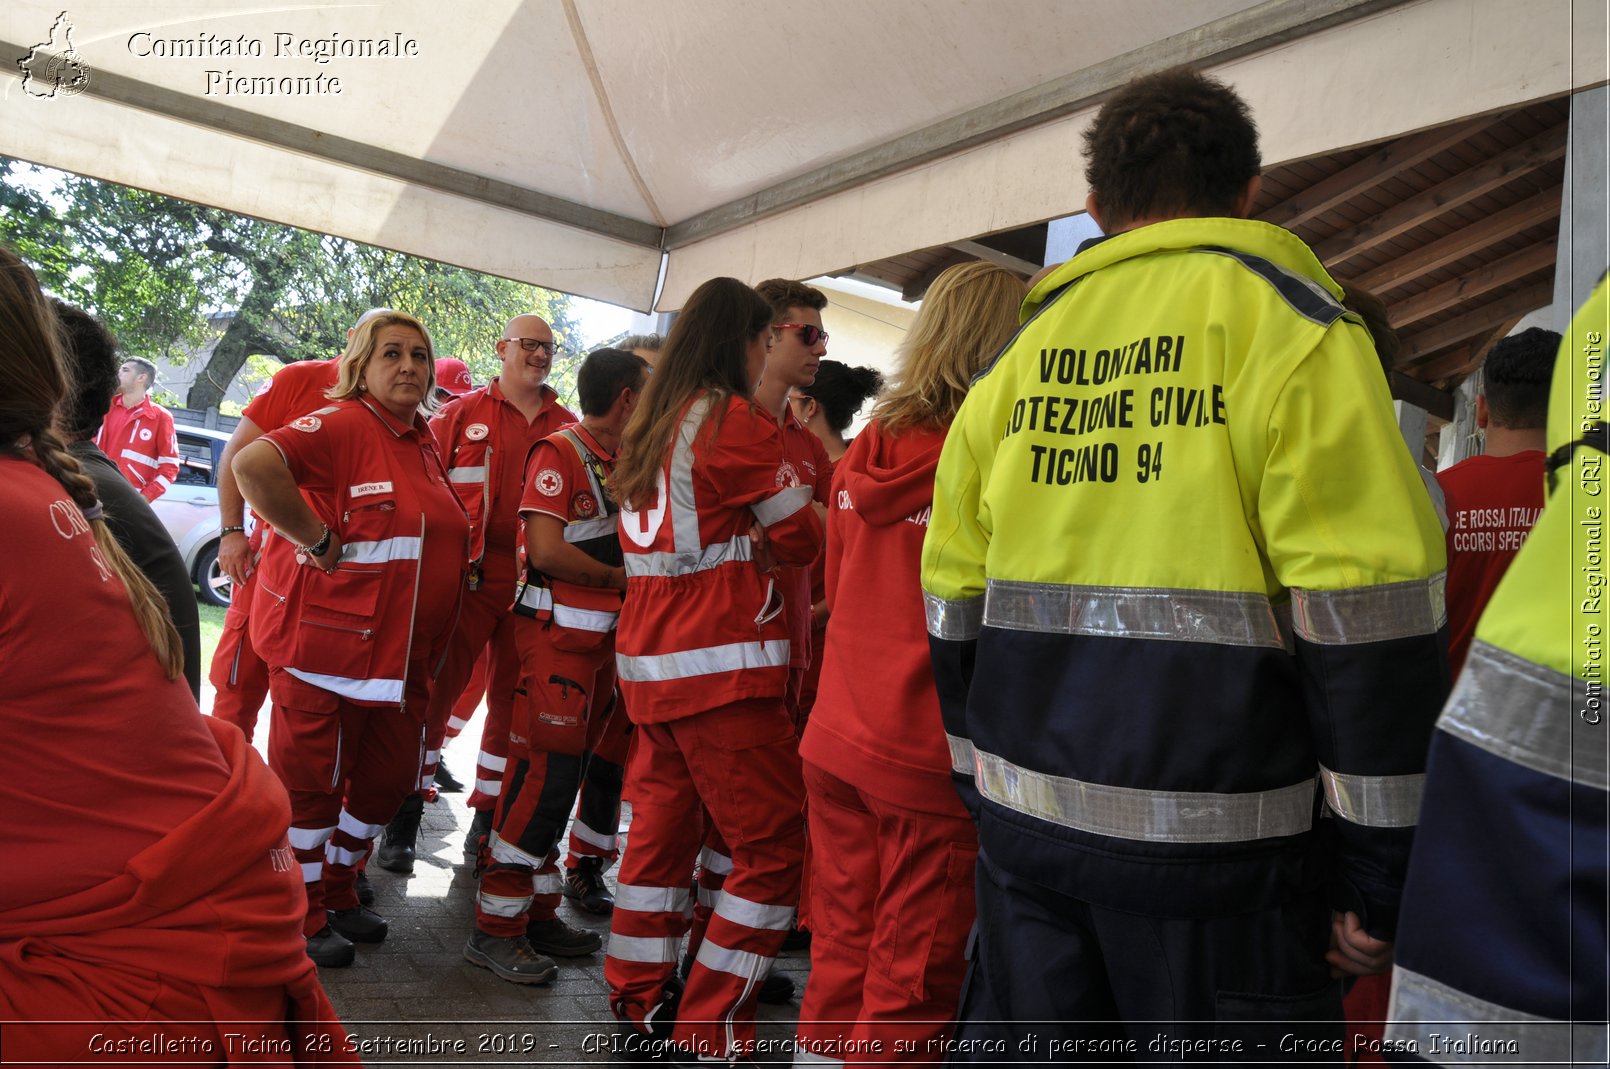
(212, 629)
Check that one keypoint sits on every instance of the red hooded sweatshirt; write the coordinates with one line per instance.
(876, 720)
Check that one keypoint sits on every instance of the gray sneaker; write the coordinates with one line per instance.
(510, 957)
(561, 940)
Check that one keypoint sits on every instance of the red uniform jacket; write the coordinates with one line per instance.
(141, 441)
(356, 632)
(876, 721)
(567, 478)
(702, 627)
(807, 464)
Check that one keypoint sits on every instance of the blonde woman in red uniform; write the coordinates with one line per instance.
(702, 653)
(892, 889)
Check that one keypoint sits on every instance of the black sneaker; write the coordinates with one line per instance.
(358, 924)
(446, 782)
(586, 889)
(480, 831)
(796, 939)
(561, 940)
(329, 949)
(777, 989)
(510, 958)
(366, 893)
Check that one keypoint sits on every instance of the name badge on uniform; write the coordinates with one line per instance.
(367, 489)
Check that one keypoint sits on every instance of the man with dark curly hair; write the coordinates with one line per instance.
(1180, 567)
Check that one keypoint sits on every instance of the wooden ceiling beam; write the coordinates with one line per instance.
(1529, 155)
(1386, 161)
(1499, 226)
(1419, 348)
(1466, 359)
(1405, 388)
(918, 284)
(1501, 272)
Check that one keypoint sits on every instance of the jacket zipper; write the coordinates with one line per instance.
(366, 632)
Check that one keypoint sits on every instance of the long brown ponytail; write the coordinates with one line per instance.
(36, 388)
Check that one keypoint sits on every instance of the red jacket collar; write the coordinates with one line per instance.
(392, 423)
(550, 396)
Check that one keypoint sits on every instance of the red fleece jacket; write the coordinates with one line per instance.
(876, 720)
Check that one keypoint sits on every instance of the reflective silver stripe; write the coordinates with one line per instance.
(640, 899)
(367, 690)
(592, 836)
(953, 620)
(1529, 714)
(357, 828)
(740, 963)
(491, 762)
(754, 914)
(1222, 617)
(502, 906)
(583, 530)
(714, 861)
(340, 855)
(781, 505)
(489, 787)
(548, 883)
(1152, 816)
(308, 838)
(171, 460)
(1374, 801)
(163, 481)
(386, 549)
(312, 871)
(598, 620)
(679, 486)
(467, 475)
(1370, 613)
(961, 754)
(738, 548)
(686, 664)
(536, 598)
(655, 949)
(708, 897)
(143, 458)
(1483, 1033)
(507, 853)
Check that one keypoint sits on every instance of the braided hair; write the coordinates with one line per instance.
(30, 412)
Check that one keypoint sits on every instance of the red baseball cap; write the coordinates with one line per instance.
(453, 376)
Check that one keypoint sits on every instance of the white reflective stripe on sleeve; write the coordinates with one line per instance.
(712, 660)
(170, 460)
(1374, 801)
(1423, 1008)
(781, 505)
(163, 481)
(591, 836)
(535, 598)
(312, 871)
(641, 899)
(432, 756)
(585, 530)
(709, 896)
(457, 723)
(654, 949)
(368, 690)
(1370, 613)
(490, 787)
(386, 549)
(953, 619)
(491, 762)
(501, 906)
(340, 855)
(507, 853)
(961, 755)
(1148, 816)
(741, 963)
(143, 458)
(548, 883)
(309, 838)
(712, 861)
(738, 548)
(357, 828)
(467, 475)
(754, 914)
(595, 620)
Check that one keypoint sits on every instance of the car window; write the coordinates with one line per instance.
(195, 463)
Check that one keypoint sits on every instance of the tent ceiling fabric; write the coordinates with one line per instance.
(563, 141)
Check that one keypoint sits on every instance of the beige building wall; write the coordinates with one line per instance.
(863, 331)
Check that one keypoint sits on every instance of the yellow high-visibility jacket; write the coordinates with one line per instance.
(1504, 916)
(1180, 564)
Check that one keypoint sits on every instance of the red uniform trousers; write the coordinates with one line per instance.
(598, 804)
(319, 744)
(485, 623)
(464, 708)
(561, 708)
(894, 906)
(238, 675)
(739, 762)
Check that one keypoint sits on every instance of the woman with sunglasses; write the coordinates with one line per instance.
(702, 651)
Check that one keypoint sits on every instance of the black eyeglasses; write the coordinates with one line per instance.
(809, 333)
(531, 345)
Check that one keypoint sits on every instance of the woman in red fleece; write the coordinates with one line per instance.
(892, 903)
(149, 906)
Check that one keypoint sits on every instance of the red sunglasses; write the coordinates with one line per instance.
(809, 333)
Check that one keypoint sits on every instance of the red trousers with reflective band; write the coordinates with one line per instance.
(560, 710)
(324, 747)
(893, 908)
(238, 676)
(484, 624)
(598, 804)
(739, 762)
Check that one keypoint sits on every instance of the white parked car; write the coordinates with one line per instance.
(189, 510)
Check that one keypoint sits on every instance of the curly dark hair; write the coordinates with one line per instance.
(1175, 142)
(841, 390)
(1516, 377)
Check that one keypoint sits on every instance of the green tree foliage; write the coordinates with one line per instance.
(153, 268)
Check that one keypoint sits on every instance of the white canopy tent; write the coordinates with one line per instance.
(576, 144)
